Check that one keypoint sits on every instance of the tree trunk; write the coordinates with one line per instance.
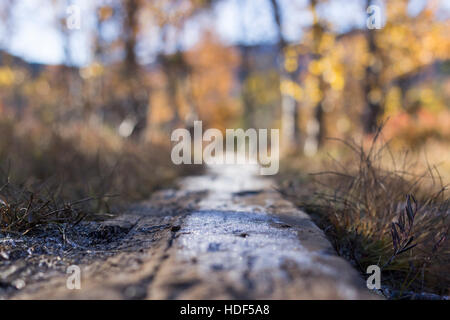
(317, 133)
(289, 106)
(246, 94)
(130, 31)
(137, 95)
(372, 88)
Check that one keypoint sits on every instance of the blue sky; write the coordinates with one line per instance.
(34, 37)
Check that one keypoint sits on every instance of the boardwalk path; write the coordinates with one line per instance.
(226, 234)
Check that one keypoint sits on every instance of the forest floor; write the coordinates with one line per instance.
(227, 234)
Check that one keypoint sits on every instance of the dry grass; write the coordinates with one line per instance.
(62, 174)
(379, 211)
(22, 210)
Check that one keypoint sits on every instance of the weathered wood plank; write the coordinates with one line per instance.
(238, 240)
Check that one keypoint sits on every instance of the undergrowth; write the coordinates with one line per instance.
(380, 211)
(67, 173)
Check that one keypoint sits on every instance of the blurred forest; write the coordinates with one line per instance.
(327, 83)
